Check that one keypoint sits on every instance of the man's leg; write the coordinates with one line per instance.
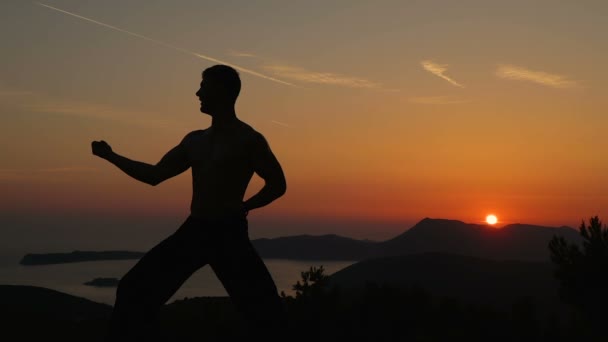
(250, 286)
(151, 283)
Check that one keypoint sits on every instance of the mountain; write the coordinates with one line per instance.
(516, 241)
(463, 277)
(42, 302)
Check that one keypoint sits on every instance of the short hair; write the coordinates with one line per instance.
(225, 76)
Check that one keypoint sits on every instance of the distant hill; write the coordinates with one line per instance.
(42, 302)
(32, 313)
(77, 256)
(514, 242)
(457, 276)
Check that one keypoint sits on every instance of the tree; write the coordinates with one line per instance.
(583, 273)
(314, 282)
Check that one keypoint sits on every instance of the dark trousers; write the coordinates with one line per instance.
(225, 246)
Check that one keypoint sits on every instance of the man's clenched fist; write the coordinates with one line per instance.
(101, 149)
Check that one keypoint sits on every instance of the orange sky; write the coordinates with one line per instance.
(398, 111)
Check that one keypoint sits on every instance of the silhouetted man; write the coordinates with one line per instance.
(223, 159)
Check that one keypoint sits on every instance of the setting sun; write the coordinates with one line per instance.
(491, 219)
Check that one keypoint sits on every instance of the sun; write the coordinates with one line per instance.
(491, 219)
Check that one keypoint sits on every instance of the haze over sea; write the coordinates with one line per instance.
(69, 278)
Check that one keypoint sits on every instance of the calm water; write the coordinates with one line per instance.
(68, 278)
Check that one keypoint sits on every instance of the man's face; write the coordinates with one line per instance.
(211, 96)
(205, 97)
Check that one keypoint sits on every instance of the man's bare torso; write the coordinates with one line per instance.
(221, 168)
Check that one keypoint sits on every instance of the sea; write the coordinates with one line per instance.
(70, 277)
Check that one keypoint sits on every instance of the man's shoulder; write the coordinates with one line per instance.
(194, 135)
(252, 135)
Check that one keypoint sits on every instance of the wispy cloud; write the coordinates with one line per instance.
(439, 70)
(436, 100)
(10, 93)
(73, 108)
(280, 123)
(511, 72)
(208, 58)
(291, 72)
(35, 102)
(93, 111)
(241, 54)
(36, 173)
(46, 105)
(67, 169)
(307, 76)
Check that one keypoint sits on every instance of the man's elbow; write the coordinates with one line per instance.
(280, 189)
(154, 180)
(158, 176)
(275, 188)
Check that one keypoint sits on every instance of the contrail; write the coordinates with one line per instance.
(280, 123)
(211, 59)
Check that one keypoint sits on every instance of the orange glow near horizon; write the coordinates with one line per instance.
(368, 134)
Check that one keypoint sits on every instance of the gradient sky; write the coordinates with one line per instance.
(395, 111)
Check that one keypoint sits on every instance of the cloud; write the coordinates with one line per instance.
(11, 93)
(436, 100)
(47, 105)
(511, 72)
(37, 173)
(438, 70)
(307, 76)
(241, 54)
(67, 169)
(205, 57)
(41, 103)
(94, 111)
(280, 123)
(291, 72)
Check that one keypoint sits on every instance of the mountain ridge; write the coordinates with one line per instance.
(516, 241)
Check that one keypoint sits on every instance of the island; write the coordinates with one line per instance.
(103, 282)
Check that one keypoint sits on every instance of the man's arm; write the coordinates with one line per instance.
(172, 164)
(267, 166)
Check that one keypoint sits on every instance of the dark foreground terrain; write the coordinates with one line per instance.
(425, 297)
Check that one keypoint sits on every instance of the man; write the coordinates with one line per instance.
(223, 159)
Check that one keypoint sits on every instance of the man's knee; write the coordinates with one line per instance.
(128, 289)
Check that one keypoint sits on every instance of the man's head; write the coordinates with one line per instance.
(219, 89)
